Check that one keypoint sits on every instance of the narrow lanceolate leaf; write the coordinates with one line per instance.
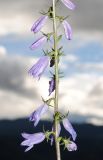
(38, 42)
(68, 4)
(38, 69)
(39, 24)
(67, 29)
(59, 38)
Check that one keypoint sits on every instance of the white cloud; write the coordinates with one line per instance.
(13, 105)
(94, 66)
(84, 38)
(3, 51)
(70, 58)
(20, 94)
(19, 24)
(75, 96)
(95, 121)
(67, 60)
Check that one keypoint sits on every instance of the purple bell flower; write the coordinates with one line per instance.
(38, 69)
(32, 139)
(36, 115)
(52, 85)
(59, 130)
(71, 146)
(39, 24)
(68, 4)
(67, 29)
(38, 42)
(67, 125)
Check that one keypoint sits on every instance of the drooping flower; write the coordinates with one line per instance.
(67, 125)
(52, 85)
(32, 139)
(59, 130)
(71, 146)
(36, 115)
(38, 42)
(68, 4)
(38, 69)
(39, 24)
(67, 29)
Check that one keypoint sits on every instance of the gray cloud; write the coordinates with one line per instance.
(95, 96)
(19, 94)
(13, 7)
(87, 16)
(97, 91)
(13, 74)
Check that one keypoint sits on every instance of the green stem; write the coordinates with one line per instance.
(56, 80)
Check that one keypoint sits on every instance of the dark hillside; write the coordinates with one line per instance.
(89, 141)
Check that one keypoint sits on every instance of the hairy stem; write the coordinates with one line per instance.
(56, 80)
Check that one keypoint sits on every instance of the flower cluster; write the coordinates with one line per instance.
(36, 138)
(36, 71)
(68, 126)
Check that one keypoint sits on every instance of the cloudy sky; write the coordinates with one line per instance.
(81, 90)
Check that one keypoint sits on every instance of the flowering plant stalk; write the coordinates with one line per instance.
(56, 80)
(51, 58)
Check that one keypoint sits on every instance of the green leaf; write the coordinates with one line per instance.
(59, 38)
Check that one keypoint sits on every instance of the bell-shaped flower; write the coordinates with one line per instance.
(38, 42)
(39, 24)
(36, 115)
(67, 30)
(68, 4)
(71, 146)
(32, 139)
(52, 85)
(59, 130)
(67, 125)
(38, 69)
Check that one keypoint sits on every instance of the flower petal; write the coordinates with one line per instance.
(30, 147)
(67, 125)
(38, 42)
(68, 4)
(39, 24)
(25, 135)
(71, 146)
(38, 69)
(36, 115)
(32, 139)
(67, 29)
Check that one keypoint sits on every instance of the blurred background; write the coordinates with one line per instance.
(81, 90)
